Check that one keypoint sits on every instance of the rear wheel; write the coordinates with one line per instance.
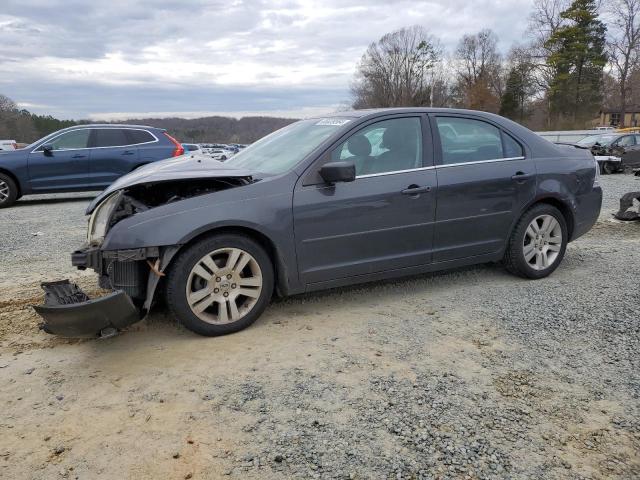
(608, 168)
(220, 285)
(8, 191)
(538, 243)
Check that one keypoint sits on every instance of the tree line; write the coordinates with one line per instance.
(578, 57)
(24, 126)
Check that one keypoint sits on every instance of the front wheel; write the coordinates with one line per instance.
(8, 191)
(220, 285)
(609, 168)
(538, 242)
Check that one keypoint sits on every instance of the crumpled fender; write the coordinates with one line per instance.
(69, 312)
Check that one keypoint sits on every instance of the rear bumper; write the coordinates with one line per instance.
(69, 312)
(587, 213)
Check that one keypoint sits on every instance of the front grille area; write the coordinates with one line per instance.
(128, 276)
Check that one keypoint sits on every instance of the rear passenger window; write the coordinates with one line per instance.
(139, 136)
(110, 137)
(467, 140)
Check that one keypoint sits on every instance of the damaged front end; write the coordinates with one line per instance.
(69, 312)
(132, 275)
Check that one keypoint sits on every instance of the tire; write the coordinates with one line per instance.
(8, 191)
(548, 250)
(199, 278)
(608, 168)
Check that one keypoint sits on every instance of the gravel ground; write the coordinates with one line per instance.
(464, 374)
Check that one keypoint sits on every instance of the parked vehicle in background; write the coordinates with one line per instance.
(220, 155)
(8, 145)
(191, 147)
(81, 158)
(615, 152)
(327, 202)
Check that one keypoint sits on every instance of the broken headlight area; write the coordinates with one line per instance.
(141, 197)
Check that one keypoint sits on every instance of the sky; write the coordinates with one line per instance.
(120, 59)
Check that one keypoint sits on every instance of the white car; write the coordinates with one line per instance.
(8, 145)
(222, 154)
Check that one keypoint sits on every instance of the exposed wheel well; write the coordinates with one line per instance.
(564, 209)
(14, 178)
(264, 241)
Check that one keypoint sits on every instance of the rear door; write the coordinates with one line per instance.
(66, 167)
(484, 180)
(112, 156)
(383, 220)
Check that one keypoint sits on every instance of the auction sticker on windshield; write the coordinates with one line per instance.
(336, 122)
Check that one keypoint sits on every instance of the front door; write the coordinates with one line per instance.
(65, 167)
(383, 220)
(484, 180)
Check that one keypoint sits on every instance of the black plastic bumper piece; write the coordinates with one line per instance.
(90, 257)
(69, 312)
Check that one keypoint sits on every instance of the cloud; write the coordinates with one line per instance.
(63, 53)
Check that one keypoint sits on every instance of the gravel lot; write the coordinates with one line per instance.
(465, 374)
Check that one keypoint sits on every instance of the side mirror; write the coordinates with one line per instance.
(333, 172)
(47, 149)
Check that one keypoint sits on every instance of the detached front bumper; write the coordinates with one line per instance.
(69, 312)
(133, 277)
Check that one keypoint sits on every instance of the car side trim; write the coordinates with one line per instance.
(435, 167)
(395, 172)
(476, 162)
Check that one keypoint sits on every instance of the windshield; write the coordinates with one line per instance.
(601, 139)
(283, 149)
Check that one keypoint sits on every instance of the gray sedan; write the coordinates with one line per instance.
(326, 202)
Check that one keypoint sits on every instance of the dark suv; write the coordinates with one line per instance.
(81, 158)
(327, 202)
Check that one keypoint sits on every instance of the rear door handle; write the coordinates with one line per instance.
(521, 176)
(415, 190)
(128, 152)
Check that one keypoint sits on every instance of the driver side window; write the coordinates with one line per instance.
(627, 141)
(387, 146)
(71, 140)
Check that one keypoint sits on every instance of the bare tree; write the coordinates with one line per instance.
(544, 21)
(397, 70)
(623, 46)
(479, 71)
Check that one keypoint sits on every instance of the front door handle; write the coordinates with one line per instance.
(521, 176)
(415, 190)
(128, 152)
(77, 155)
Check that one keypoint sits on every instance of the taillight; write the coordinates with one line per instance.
(179, 150)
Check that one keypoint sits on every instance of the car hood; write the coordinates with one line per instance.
(184, 167)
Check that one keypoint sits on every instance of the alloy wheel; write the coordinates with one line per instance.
(224, 286)
(4, 191)
(542, 242)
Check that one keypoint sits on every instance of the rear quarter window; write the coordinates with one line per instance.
(140, 136)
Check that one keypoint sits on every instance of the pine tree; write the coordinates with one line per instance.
(578, 60)
(514, 98)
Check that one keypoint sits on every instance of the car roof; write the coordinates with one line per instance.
(385, 111)
(110, 125)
